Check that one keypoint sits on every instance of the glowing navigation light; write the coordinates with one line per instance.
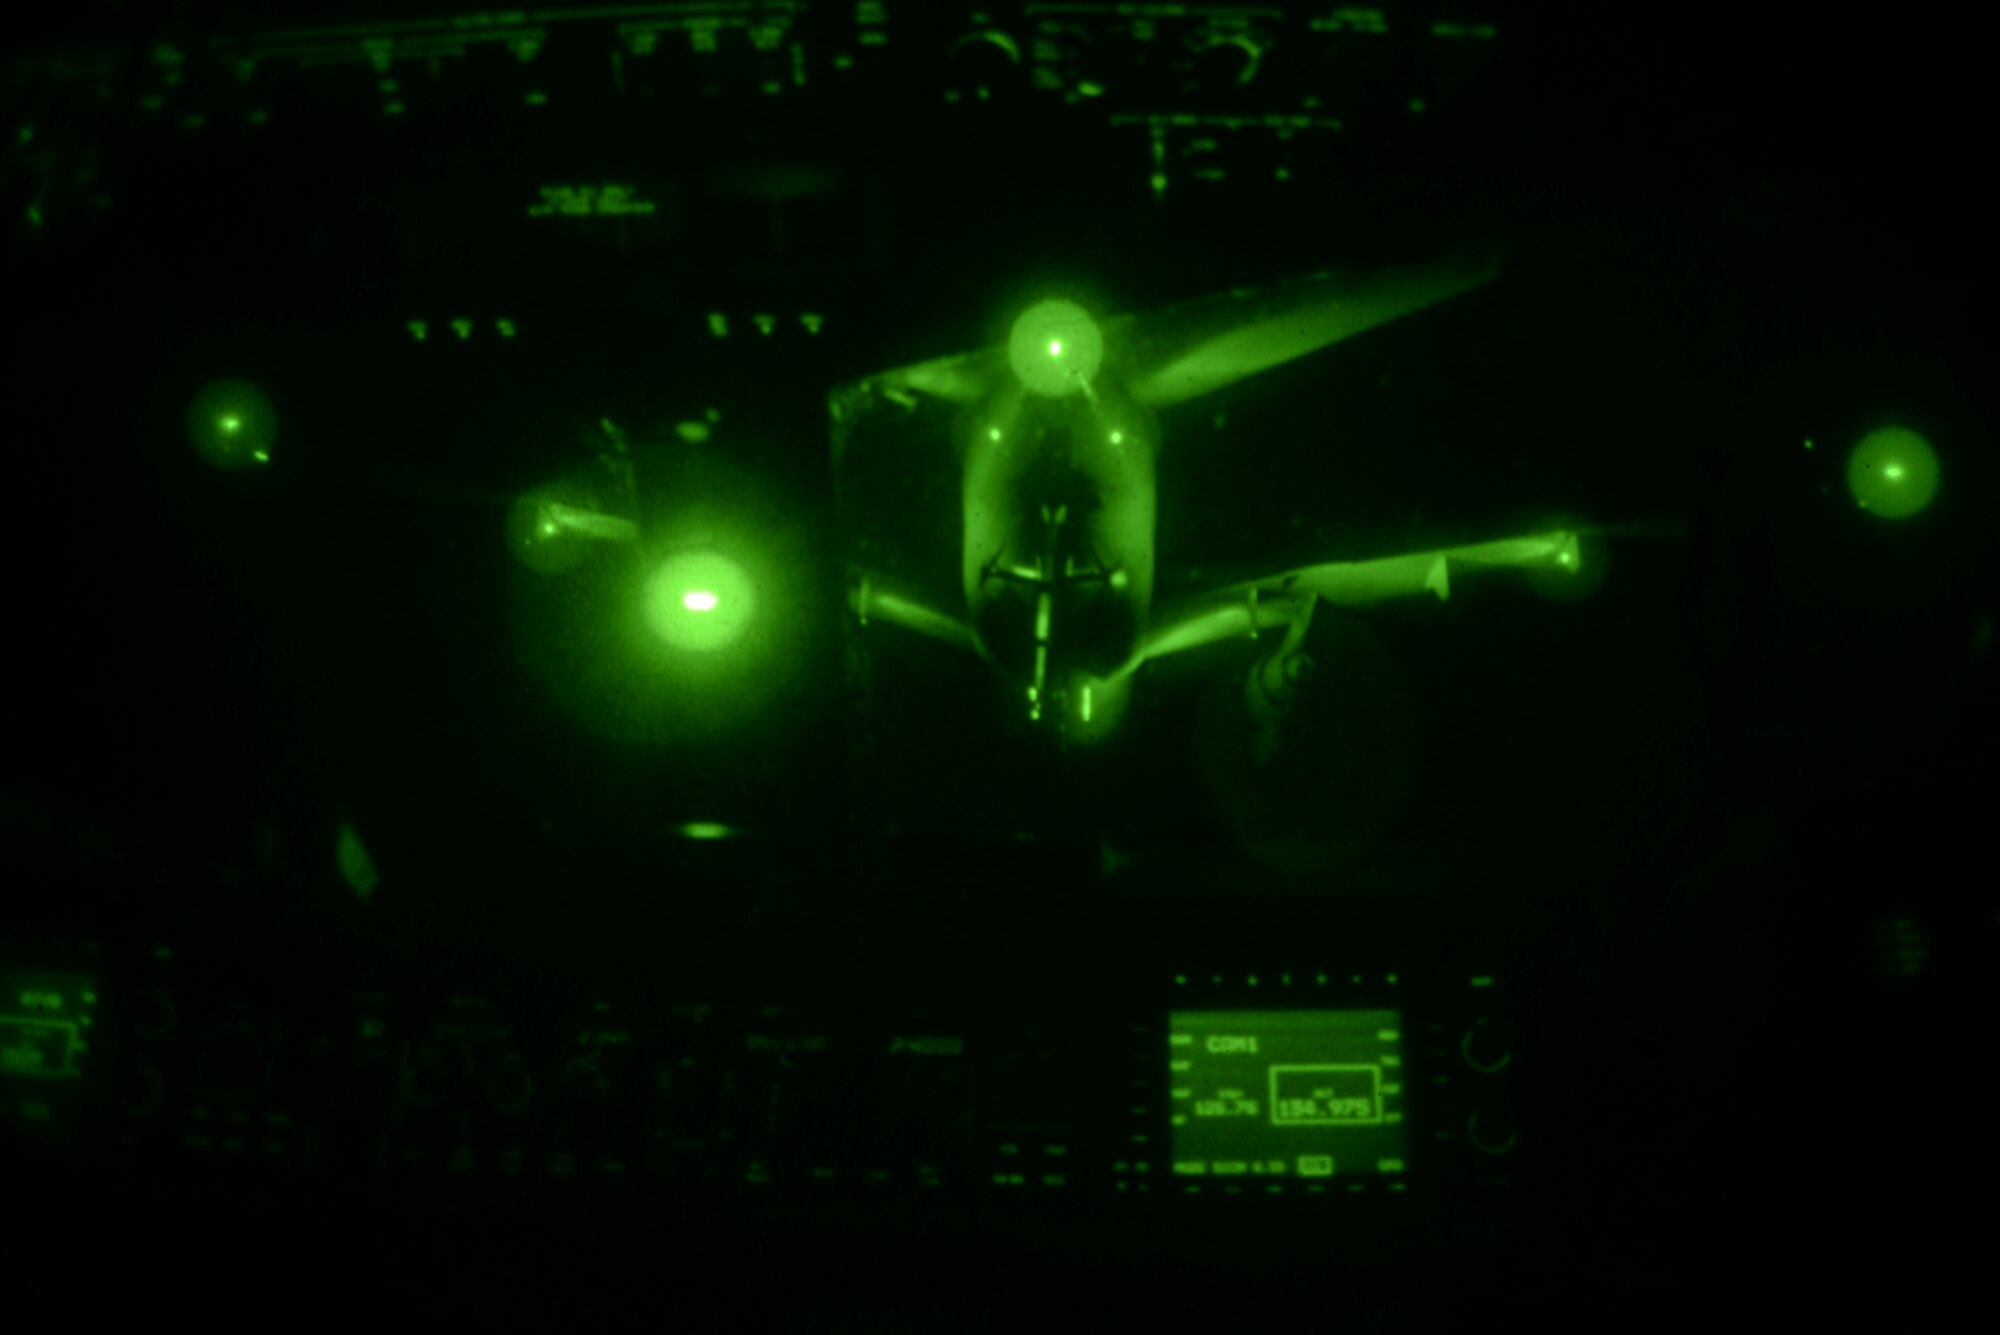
(1893, 473)
(554, 528)
(1055, 348)
(700, 601)
(232, 424)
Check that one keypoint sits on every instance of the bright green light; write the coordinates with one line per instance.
(1893, 472)
(1094, 707)
(232, 424)
(1071, 339)
(699, 600)
(705, 829)
(1571, 579)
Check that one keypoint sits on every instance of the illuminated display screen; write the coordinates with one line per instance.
(1286, 1094)
(45, 1026)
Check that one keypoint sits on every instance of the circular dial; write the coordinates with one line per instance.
(983, 62)
(1227, 62)
(1488, 1046)
(1492, 1131)
(510, 1086)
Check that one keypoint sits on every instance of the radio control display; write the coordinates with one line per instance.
(1294, 1094)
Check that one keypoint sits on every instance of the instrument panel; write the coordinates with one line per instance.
(1297, 1083)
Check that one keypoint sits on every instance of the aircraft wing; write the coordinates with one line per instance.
(875, 597)
(1245, 609)
(1184, 352)
(960, 378)
(589, 523)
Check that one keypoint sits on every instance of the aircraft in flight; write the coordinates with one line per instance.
(1057, 450)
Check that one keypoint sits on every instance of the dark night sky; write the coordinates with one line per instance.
(1726, 241)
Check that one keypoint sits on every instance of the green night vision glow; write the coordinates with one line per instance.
(536, 538)
(1299, 1095)
(1893, 473)
(356, 867)
(232, 424)
(1055, 348)
(1581, 562)
(700, 601)
(45, 1023)
(553, 529)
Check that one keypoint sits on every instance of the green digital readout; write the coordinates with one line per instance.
(45, 1022)
(1286, 1094)
(37, 1047)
